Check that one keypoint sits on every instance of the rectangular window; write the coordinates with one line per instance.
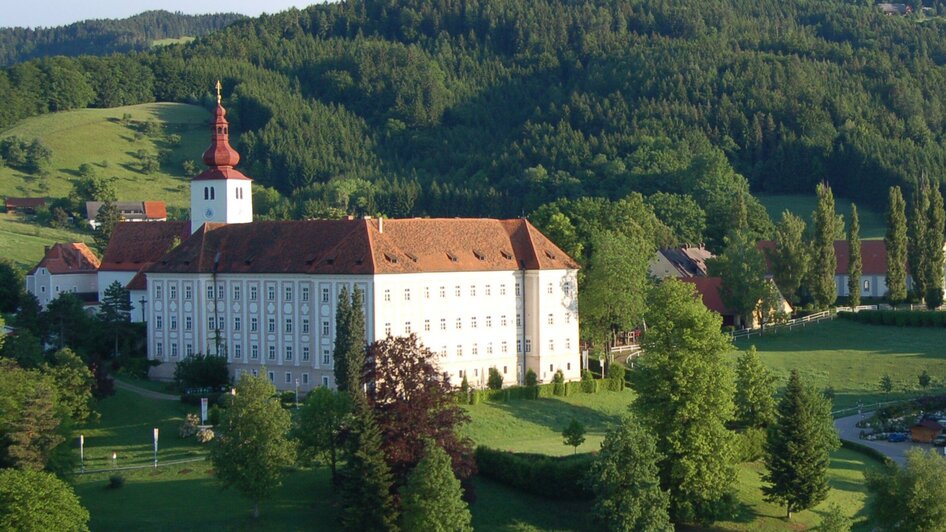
(305, 293)
(325, 328)
(254, 351)
(159, 349)
(550, 288)
(867, 284)
(502, 289)
(387, 329)
(305, 378)
(551, 319)
(426, 292)
(568, 366)
(473, 322)
(272, 376)
(567, 288)
(568, 343)
(272, 352)
(172, 291)
(459, 323)
(488, 290)
(255, 372)
(188, 323)
(518, 346)
(211, 323)
(326, 358)
(189, 350)
(407, 328)
(518, 320)
(325, 294)
(426, 325)
(475, 350)
(237, 351)
(407, 294)
(528, 345)
(489, 321)
(173, 323)
(505, 370)
(518, 289)
(305, 353)
(443, 292)
(305, 326)
(456, 291)
(459, 350)
(287, 293)
(387, 295)
(254, 324)
(443, 324)
(236, 293)
(551, 368)
(188, 291)
(254, 293)
(210, 291)
(505, 346)
(473, 290)
(158, 291)
(288, 352)
(502, 321)
(237, 323)
(489, 348)
(270, 293)
(288, 325)
(159, 322)
(271, 325)
(325, 381)
(174, 350)
(551, 345)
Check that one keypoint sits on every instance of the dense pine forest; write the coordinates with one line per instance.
(497, 107)
(102, 37)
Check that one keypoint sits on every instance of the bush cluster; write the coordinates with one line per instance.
(749, 444)
(899, 318)
(554, 477)
(515, 393)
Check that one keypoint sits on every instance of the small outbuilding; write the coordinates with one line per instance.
(925, 431)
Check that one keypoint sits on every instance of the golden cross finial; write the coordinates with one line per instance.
(218, 87)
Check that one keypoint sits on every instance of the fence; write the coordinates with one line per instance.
(799, 322)
(149, 465)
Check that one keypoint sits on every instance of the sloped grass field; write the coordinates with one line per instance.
(98, 137)
(872, 222)
(23, 242)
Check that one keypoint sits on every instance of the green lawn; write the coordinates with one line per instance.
(852, 358)
(97, 137)
(23, 242)
(872, 222)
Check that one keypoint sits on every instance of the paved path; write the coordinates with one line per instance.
(896, 451)
(150, 394)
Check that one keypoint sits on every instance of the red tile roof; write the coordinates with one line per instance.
(155, 210)
(73, 257)
(873, 256)
(138, 282)
(13, 204)
(366, 247)
(708, 288)
(135, 245)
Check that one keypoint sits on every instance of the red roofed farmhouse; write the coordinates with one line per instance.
(64, 268)
(480, 293)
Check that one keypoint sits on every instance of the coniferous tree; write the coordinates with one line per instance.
(682, 380)
(791, 258)
(918, 225)
(105, 220)
(355, 357)
(432, 499)
(343, 315)
(827, 228)
(755, 391)
(366, 477)
(797, 451)
(896, 243)
(934, 249)
(115, 311)
(855, 263)
(626, 482)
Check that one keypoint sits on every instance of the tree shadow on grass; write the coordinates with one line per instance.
(555, 414)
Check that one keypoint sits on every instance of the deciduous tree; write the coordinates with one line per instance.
(432, 499)
(934, 249)
(755, 391)
(11, 286)
(321, 424)
(626, 482)
(827, 228)
(684, 397)
(251, 448)
(896, 243)
(797, 451)
(742, 269)
(855, 263)
(34, 433)
(36, 501)
(791, 258)
(573, 435)
(910, 497)
(917, 226)
(74, 383)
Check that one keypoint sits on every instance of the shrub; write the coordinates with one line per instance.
(205, 435)
(287, 398)
(553, 477)
(587, 382)
(558, 380)
(115, 481)
(213, 398)
(531, 378)
(189, 428)
(748, 444)
(202, 371)
(495, 381)
(616, 373)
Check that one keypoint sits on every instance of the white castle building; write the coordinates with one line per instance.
(480, 293)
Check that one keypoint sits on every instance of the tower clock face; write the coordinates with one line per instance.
(209, 213)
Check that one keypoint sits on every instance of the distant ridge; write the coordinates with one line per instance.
(106, 36)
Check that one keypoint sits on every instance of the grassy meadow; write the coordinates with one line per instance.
(872, 222)
(23, 242)
(97, 137)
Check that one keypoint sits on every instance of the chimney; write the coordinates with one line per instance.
(380, 224)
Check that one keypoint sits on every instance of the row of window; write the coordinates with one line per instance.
(304, 377)
(458, 323)
(288, 354)
(503, 347)
(476, 372)
(487, 290)
(213, 323)
(219, 292)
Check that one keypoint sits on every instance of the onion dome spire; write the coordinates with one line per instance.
(220, 154)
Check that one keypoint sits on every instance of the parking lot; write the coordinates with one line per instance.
(848, 430)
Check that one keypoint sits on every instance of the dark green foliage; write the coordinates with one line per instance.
(917, 230)
(24, 348)
(624, 479)
(834, 520)
(560, 478)
(924, 379)
(366, 477)
(616, 372)
(27, 498)
(11, 286)
(899, 318)
(350, 340)
(558, 383)
(896, 242)
(495, 380)
(749, 444)
(741, 266)
(320, 426)
(827, 228)
(855, 264)
(116, 481)
(933, 249)
(105, 220)
(755, 391)
(797, 452)
(531, 378)
(35, 433)
(573, 434)
(432, 499)
(909, 497)
(791, 257)
(587, 381)
(886, 383)
(202, 371)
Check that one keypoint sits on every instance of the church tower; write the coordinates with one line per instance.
(221, 193)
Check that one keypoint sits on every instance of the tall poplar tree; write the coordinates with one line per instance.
(896, 243)
(685, 398)
(791, 258)
(917, 228)
(357, 348)
(855, 264)
(827, 227)
(343, 314)
(934, 248)
(797, 451)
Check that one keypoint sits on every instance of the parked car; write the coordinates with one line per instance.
(940, 441)
(897, 437)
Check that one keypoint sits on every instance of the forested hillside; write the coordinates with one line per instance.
(101, 37)
(476, 107)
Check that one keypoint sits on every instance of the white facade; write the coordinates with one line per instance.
(107, 277)
(47, 286)
(220, 200)
(282, 325)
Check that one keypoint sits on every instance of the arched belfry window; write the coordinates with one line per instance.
(206, 192)
(211, 192)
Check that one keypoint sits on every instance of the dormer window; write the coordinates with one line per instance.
(452, 257)
(479, 254)
(506, 255)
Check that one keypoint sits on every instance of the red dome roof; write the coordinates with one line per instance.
(220, 154)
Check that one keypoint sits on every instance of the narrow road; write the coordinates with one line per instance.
(848, 430)
(150, 394)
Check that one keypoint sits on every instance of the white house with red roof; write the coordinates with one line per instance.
(479, 293)
(70, 267)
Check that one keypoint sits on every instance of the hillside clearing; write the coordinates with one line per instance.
(872, 222)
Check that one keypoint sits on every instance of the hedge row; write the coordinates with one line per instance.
(513, 393)
(869, 451)
(899, 318)
(554, 477)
